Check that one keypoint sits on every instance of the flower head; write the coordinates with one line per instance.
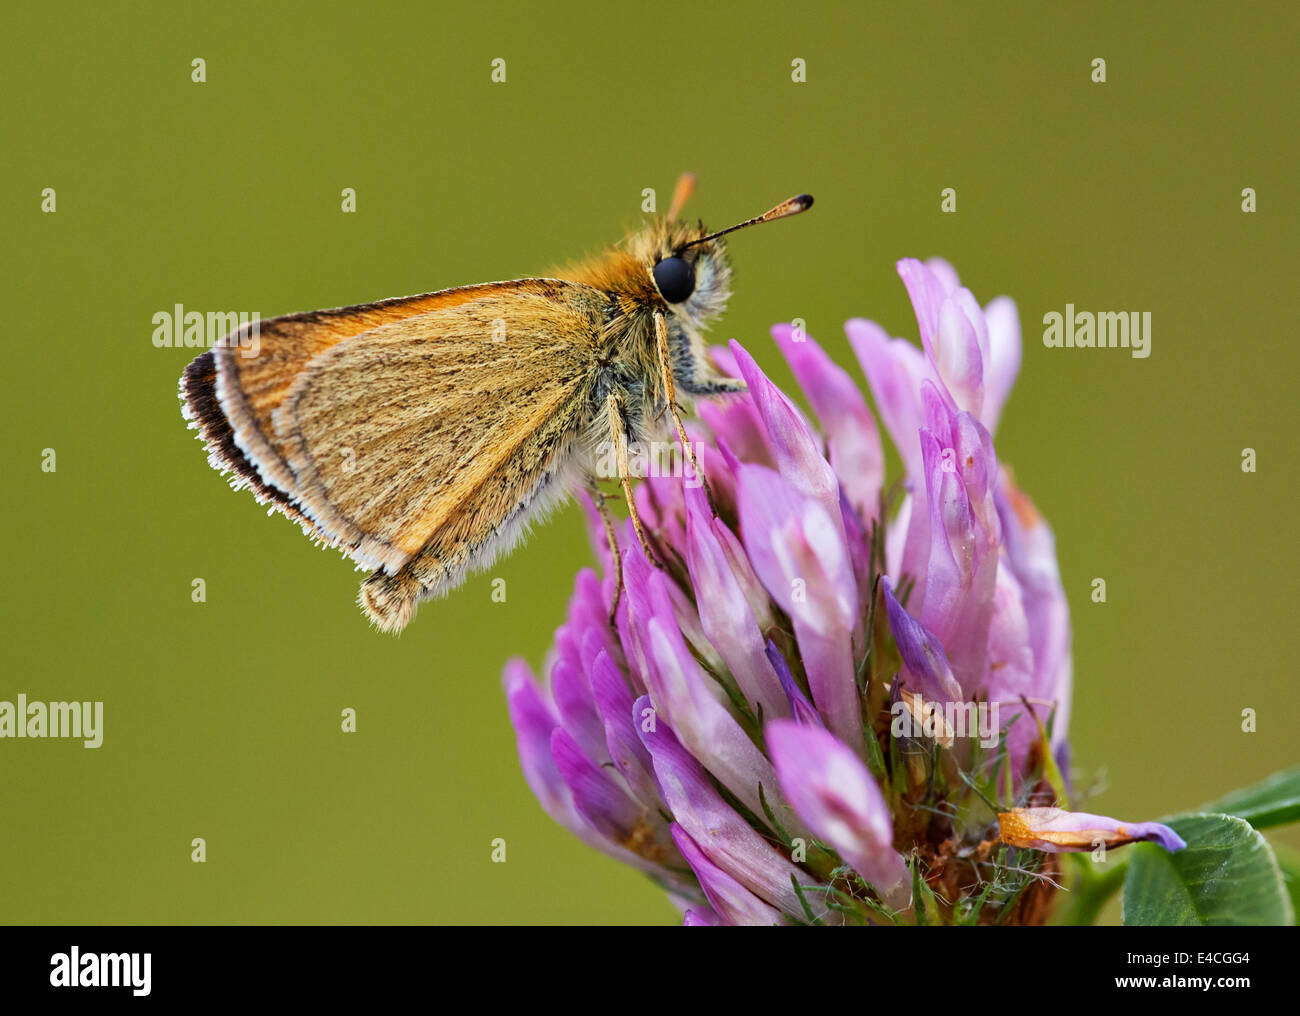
(829, 694)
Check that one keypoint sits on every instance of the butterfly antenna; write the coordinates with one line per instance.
(681, 194)
(790, 206)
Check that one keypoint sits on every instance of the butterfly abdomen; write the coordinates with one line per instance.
(390, 601)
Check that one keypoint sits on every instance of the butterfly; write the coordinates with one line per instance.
(422, 435)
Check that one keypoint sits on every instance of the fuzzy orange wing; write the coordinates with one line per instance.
(373, 425)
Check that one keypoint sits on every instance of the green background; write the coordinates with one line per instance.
(222, 718)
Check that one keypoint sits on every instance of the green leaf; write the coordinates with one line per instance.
(803, 902)
(1288, 859)
(1271, 802)
(875, 757)
(924, 905)
(1051, 771)
(1227, 874)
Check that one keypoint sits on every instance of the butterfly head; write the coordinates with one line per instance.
(688, 265)
(674, 266)
(689, 271)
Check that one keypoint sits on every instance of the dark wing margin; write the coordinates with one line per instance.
(200, 406)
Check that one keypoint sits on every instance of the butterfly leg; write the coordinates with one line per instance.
(616, 556)
(618, 434)
(670, 394)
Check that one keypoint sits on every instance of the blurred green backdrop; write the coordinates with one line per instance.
(222, 718)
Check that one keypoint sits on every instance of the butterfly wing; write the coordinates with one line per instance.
(415, 428)
(229, 393)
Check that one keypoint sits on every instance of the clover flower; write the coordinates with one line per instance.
(831, 700)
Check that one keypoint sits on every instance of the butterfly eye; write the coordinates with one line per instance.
(675, 279)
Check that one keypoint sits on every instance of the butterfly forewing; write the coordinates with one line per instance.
(458, 418)
(250, 388)
(405, 426)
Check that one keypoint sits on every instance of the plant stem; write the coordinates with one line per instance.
(1092, 887)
